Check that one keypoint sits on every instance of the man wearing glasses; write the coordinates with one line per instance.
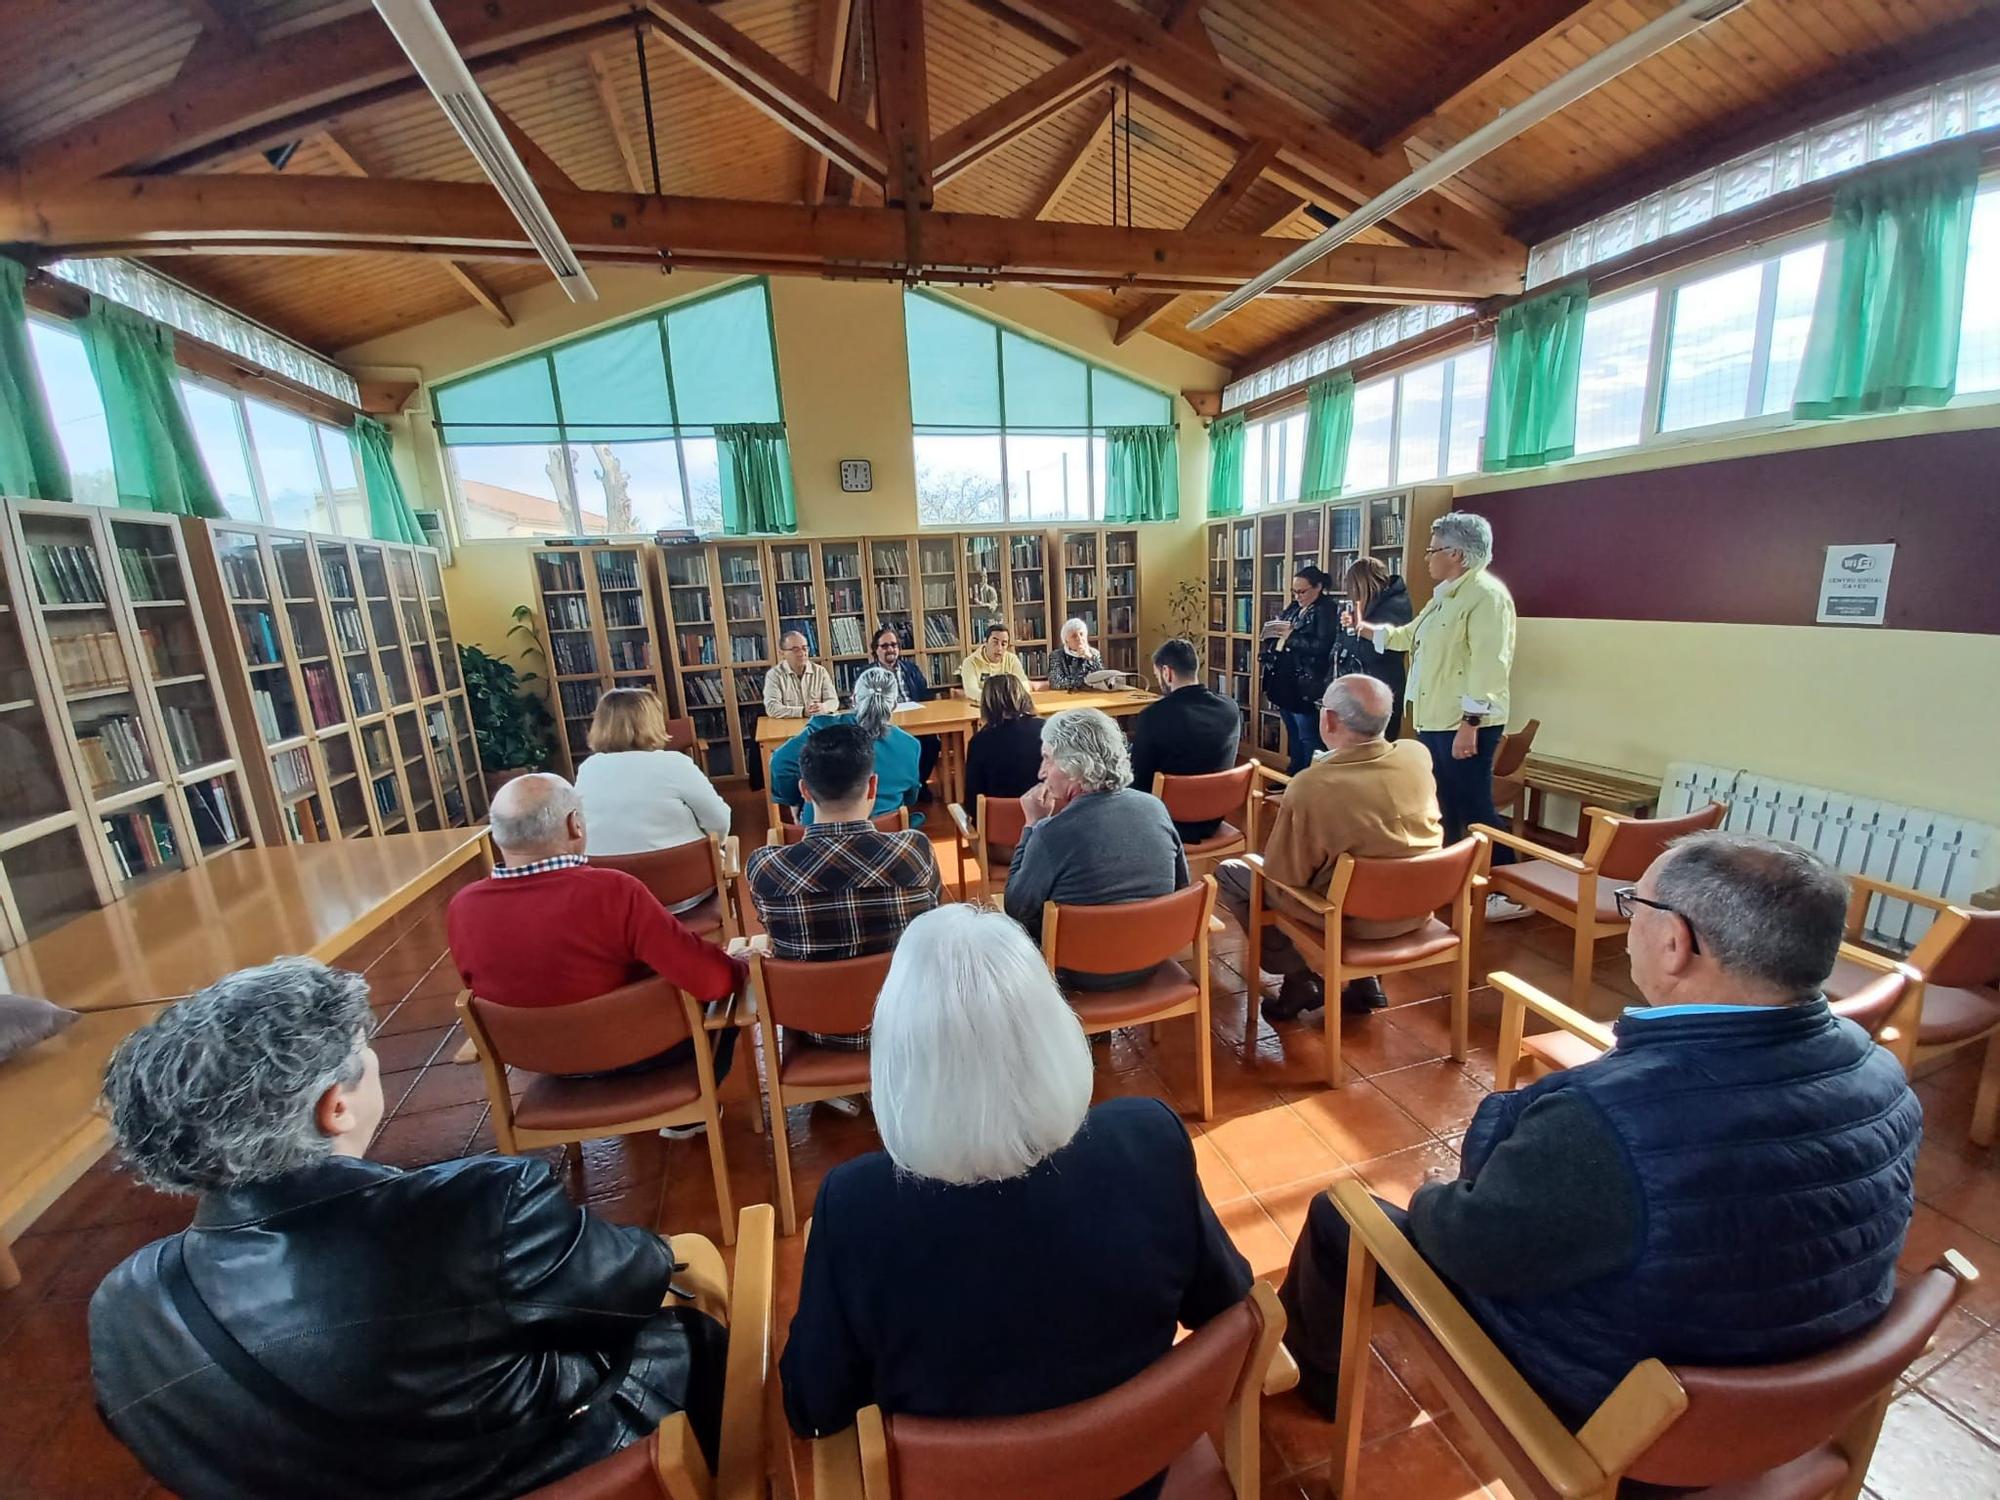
(1729, 1184)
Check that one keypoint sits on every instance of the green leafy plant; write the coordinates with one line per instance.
(510, 722)
(1187, 610)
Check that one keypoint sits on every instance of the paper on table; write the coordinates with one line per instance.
(1108, 681)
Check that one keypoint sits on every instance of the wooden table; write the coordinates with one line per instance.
(953, 720)
(125, 963)
(1591, 786)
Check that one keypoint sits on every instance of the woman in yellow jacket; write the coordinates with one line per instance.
(1461, 649)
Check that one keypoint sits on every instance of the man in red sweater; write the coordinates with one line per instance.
(548, 929)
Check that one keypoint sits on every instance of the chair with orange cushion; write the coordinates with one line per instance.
(1802, 1430)
(831, 997)
(700, 867)
(550, 1044)
(1140, 935)
(1885, 1008)
(668, 1464)
(990, 838)
(1218, 794)
(1507, 763)
(1956, 964)
(1158, 1421)
(897, 820)
(1377, 890)
(680, 736)
(1577, 890)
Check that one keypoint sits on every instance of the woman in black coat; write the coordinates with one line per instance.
(1381, 598)
(1302, 662)
(1004, 758)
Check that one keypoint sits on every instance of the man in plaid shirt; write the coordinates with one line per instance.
(846, 889)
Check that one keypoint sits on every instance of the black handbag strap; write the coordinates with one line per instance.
(331, 1427)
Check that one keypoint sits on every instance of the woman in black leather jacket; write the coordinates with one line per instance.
(1305, 633)
(1381, 598)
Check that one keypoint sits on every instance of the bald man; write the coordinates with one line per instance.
(1366, 797)
(798, 687)
(547, 928)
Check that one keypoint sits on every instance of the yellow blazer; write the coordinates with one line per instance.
(1461, 649)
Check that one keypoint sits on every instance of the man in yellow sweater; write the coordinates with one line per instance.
(1366, 797)
(994, 658)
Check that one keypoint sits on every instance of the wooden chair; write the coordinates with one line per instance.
(680, 736)
(896, 821)
(1378, 890)
(1956, 966)
(1267, 790)
(706, 866)
(1099, 1449)
(552, 1043)
(1508, 789)
(1140, 935)
(1803, 1430)
(668, 1465)
(830, 997)
(1577, 891)
(1219, 794)
(991, 836)
(1885, 1008)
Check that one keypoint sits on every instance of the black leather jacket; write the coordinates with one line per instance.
(470, 1300)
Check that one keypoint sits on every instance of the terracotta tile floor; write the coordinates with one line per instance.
(1279, 1137)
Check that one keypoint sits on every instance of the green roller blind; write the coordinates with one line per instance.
(1045, 387)
(614, 385)
(513, 403)
(954, 365)
(1118, 402)
(723, 368)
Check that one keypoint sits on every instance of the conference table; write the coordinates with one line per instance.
(953, 721)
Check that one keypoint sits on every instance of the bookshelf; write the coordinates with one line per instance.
(850, 627)
(121, 764)
(598, 615)
(1120, 639)
(891, 587)
(692, 612)
(1007, 579)
(942, 638)
(457, 729)
(377, 783)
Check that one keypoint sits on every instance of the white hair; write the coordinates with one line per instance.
(1072, 623)
(1089, 748)
(1470, 536)
(1360, 703)
(979, 1067)
(877, 691)
(529, 811)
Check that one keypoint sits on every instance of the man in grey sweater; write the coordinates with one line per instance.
(1091, 840)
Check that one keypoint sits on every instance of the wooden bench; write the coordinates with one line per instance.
(121, 966)
(1607, 787)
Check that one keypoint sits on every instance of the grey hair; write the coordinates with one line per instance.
(221, 1089)
(1760, 907)
(1073, 623)
(785, 640)
(1361, 704)
(979, 1068)
(550, 801)
(1470, 536)
(877, 691)
(1089, 748)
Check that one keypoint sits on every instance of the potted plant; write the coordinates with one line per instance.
(1187, 610)
(513, 727)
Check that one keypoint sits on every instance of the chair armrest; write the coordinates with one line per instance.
(1515, 991)
(732, 856)
(1528, 847)
(1318, 905)
(836, 1466)
(1283, 1372)
(1868, 958)
(1542, 1437)
(964, 823)
(739, 1470)
(1895, 892)
(704, 1281)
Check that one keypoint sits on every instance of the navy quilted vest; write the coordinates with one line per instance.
(1774, 1151)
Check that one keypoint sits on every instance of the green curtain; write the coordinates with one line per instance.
(390, 518)
(1225, 465)
(31, 460)
(1142, 474)
(756, 479)
(1885, 326)
(1329, 426)
(1537, 356)
(153, 454)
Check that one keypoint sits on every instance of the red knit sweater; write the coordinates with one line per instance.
(572, 934)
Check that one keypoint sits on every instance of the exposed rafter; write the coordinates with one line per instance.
(1014, 115)
(1236, 184)
(833, 25)
(1182, 19)
(1473, 61)
(606, 88)
(902, 101)
(220, 18)
(1095, 134)
(542, 168)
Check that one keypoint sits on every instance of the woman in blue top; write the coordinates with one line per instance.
(898, 756)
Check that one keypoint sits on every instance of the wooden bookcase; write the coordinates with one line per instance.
(121, 764)
(1007, 579)
(1119, 641)
(1097, 572)
(598, 614)
(696, 651)
(942, 638)
(843, 594)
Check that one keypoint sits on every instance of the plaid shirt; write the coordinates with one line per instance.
(843, 891)
(539, 866)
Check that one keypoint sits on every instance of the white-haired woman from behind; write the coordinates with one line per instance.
(1012, 1249)
(1091, 839)
(1075, 659)
(898, 756)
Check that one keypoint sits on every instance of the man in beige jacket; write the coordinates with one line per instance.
(1366, 797)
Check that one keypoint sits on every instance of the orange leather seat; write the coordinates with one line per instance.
(1165, 987)
(1226, 837)
(585, 1104)
(1556, 884)
(988, 838)
(1216, 794)
(680, 873)
(804, 1066)
(1402, 950)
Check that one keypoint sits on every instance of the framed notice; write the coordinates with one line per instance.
(1854, 586)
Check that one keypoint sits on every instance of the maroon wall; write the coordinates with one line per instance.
(1744, 540)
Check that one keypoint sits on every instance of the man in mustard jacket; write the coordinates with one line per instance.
(1461, 651)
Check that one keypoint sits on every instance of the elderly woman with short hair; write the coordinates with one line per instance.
(1074, 659)
(1091, 839)
(1011, 1249)
(898, 757)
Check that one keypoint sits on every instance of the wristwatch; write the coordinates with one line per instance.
(1470, 721)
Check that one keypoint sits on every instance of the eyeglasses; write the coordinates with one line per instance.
(1434, 551)
(1299, 588)
(1628, 897)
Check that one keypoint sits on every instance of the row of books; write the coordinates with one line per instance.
(260, 635)
(893, 595)
(1080, 583)
(573, 655)
(741, 567)
(705, 689)
(1120, 551)
(940, 595)
(579, 699)
(114, 753)
(386, 801)
(1026, 552)
(893, 559)
(1347, 528)
(848, 639)
(1121, 582)
(845, 672)
(277, 718)
(1027, 586)
(65, 575)
(794, 564)
(625, 612)
(243, 572)
(302, 821)
(750, 692)
(697, 648)
(749, 646)
(560, 571)
(795, 598)
(347, 631)
(150, 575)
(361, 688)
(844, 598)
(1080, 552)
(934, 559)
(687, 570)
(1035, 661)
(322, 694)
(1121, 619)
(631, 654)
(1034, 625)
(691, 609)
(567, 612)
(292, 771)
(940, 630)
(88, 660)
(139, 841)
(183, 735)
(617, 570)
(339, 577)
(841, 564)
(213, 812)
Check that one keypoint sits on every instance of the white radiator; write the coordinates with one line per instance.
(1927, 851)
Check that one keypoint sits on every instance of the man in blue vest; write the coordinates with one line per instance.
(1730, 1184)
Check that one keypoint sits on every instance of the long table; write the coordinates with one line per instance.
(953, 720)
(125, 963)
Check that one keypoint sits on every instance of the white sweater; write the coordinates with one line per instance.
(636, 800)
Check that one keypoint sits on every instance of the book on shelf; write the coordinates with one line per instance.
(385, 794)
(1120, 552)
(845, 672)
(1025, 552)
(738, 568)
(840, 565)
(848, 639)
(748, 689)
(361, 687)
(560, 572)
(892, 559)
(617, 570)
(893, 595)
(579, 699)
(114, 754)
(339, 576)
(1079, 583)
(275, 716)
(301, 823)
(567, 612)
(940, 596)
(1121, 619)
(631, 655)
(159, 651)
(794, 564)
(573, 656)
(705, 689)
(940, 629)
(347, 632)
(322, 694)
(183, 736)
(64, 574)
(140, 841)
(1080, 552)
(88, 660)
(293, 771)
(935, 560)
(688, 571)
(242, 573)
(624, 612)
(213, 812)
(1121, 582)
(1346, 528)
(750, 645)
(1035, 661)
(692, 609)
(697, 647)
(795, 598)
(1027, 587)
(148, 575)
(844, 598)
(260, 636)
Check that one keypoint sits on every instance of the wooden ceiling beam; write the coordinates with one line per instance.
(1013, 116)
(857, 93)
(606, 89)
(833, 25)
(1473, 62)
(542, 168)
(1183, 73)
(1071, 166)
(787, 96)
(902, 101)
(1182, 20)
(220, 18)
(1242, 176)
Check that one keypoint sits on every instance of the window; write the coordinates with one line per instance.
(272, 465)
(288, 460)
(1611, 387)
(1274, 459)
(1007, 428)
(344, 494)
(217, 419)
(77, 411)
(1343, 348)
(1370, 451)
(612, 433)
(1979, 343)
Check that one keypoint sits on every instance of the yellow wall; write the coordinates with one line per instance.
(845, 381)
